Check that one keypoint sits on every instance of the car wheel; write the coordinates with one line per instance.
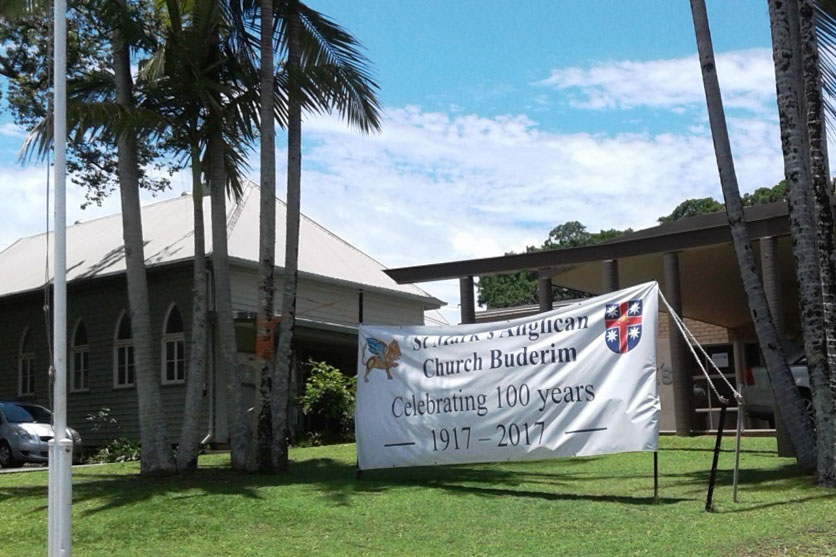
(7, 458)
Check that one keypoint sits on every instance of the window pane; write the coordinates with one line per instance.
(131, 377)
(124, 328)
(175, 322)
(80, 335)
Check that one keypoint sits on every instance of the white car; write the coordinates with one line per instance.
(25, 430)
(758, 395)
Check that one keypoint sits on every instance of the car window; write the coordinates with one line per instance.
(25, 413)
(802, 361)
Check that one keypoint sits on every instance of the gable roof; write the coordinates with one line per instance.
(95, 248)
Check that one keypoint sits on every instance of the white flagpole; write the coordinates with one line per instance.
(60, 449)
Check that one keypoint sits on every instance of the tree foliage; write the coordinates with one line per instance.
(329, 398)
(26, 63)
(520, 288)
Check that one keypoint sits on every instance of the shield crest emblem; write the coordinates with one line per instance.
(623, 323)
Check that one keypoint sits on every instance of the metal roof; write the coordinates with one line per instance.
(95, 248)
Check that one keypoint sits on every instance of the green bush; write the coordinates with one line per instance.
(329, 402)
(118, 450)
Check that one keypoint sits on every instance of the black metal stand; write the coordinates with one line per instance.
(724, 405)
(655, 477)
(359, 472)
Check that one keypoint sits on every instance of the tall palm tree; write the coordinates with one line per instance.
(281, 376)
(817, 239)
(787, 396)
(262, 431)
(332, 75)
(200, 87)
(156, 454)
(325, 70)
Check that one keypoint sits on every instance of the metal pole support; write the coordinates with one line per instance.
(724, 405)
(60, 498)
(655, 477)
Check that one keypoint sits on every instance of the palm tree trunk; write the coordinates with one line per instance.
(821, 379)
(259, 455)
(156, 453)
(236, 417)
(786, 394)
(196, 375)
(281, 377)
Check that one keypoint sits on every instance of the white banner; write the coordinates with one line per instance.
(580, 380)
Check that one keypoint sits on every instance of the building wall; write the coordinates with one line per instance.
(329, 302)
(99, 304)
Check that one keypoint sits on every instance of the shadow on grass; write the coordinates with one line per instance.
(336, 481)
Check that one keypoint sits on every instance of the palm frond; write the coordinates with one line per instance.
(336, 74)
(826, 35)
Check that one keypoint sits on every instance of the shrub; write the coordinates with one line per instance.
(329, 401)
(118, 450)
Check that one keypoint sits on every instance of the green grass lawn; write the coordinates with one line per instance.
(583, 506)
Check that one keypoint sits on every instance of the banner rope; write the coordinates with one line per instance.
(692, 341)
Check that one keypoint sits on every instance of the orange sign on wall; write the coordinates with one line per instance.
(265, 345)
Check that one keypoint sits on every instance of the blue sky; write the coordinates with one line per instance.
(503, 119)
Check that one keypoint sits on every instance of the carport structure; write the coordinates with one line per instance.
(693, 261)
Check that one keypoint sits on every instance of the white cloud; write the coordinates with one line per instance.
(12, 130)
(747, 79)
(24, 209)
(435, 187)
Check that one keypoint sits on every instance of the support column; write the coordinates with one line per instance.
(610, 275)
(682, 381)
(772, 281)
(468, 307)
(544, 290)
(772, 288)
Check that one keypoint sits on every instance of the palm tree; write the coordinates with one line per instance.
(795, 23)
(325, 71)
(332, 75)
(156, 454)
(281, 376)
(261, 434)
(201, 89)
(787, 396)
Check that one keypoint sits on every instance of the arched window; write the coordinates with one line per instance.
(123, 353)
(25, 371)
(80, 360)
(174, 348)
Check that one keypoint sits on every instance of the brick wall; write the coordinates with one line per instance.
(706, 333)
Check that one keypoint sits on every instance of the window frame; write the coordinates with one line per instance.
(126, 345)
(83, 351)
(178, 340)
(26, 358)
